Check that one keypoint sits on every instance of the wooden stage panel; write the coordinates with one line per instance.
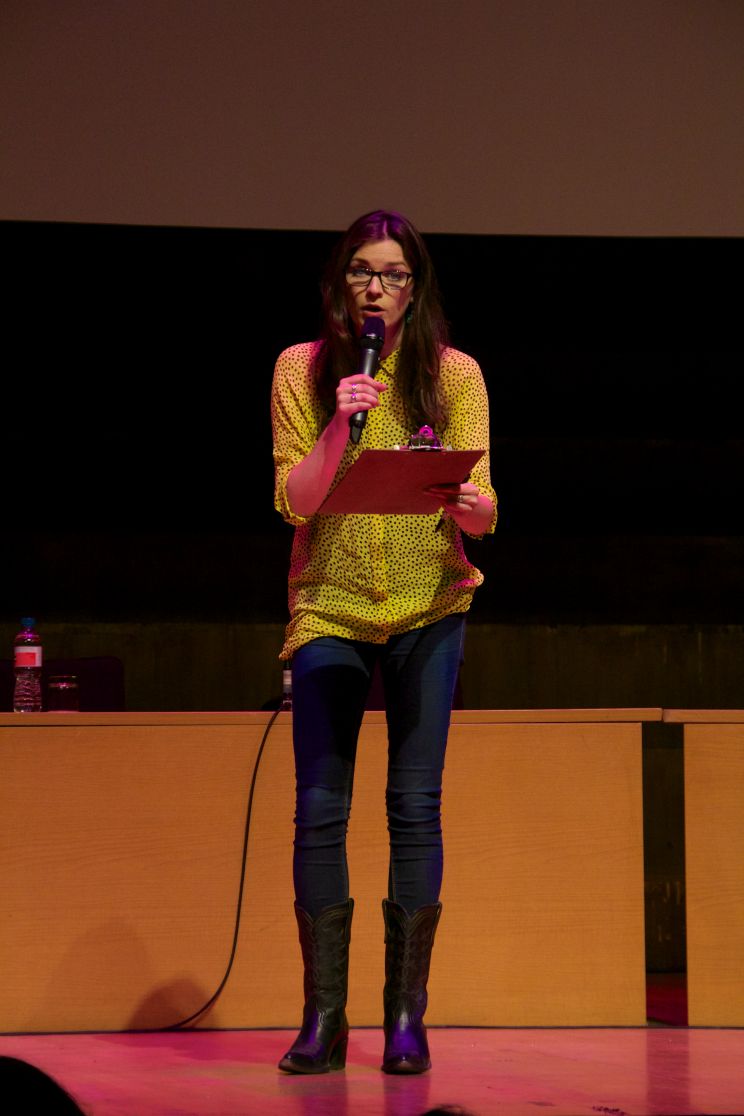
(120, 860)
(714, 829)
(122, 877)
(543, 894)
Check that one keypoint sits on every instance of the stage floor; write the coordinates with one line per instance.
(654, 1071)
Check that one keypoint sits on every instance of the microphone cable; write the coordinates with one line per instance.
(215, 995)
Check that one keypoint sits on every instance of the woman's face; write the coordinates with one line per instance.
(377, 299)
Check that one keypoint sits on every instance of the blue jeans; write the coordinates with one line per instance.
(330, 682)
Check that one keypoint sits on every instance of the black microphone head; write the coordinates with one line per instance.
(372, 333)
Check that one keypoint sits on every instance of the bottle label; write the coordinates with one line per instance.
(28, 656)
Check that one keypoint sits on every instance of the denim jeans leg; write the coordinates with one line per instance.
(420, 673)
(330, 681)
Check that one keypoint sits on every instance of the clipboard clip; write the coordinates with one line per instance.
(426, 439)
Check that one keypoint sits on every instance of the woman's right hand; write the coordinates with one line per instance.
(357, 393)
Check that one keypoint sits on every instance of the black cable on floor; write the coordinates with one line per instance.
(213, 998)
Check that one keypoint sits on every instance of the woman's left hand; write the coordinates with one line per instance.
(458, 499)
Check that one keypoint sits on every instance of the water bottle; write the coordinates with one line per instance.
(27, 688)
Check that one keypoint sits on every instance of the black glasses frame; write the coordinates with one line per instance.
(379, 275)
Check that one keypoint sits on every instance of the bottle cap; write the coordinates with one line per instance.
(28, 621)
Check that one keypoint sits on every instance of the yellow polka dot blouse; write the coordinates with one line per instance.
(369, 577)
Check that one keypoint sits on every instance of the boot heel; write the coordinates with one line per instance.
(337, 1061)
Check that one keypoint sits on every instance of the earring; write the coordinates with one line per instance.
(409, 313)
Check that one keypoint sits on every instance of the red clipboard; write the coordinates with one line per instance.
(392, 482)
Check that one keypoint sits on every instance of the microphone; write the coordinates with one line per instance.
(370, 342)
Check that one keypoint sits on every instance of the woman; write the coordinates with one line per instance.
(368, 588)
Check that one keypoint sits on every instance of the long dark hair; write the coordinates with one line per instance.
(424, 333)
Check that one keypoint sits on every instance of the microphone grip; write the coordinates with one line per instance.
(356, 426)
(368, 364)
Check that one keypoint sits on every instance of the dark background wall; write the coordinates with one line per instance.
(138, 444)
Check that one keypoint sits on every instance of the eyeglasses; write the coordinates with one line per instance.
(392, 279)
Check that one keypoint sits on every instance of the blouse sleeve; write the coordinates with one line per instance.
(467, 426)
(295, 419)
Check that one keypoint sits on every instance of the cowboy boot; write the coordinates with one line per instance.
(408, 943)
(323, 1038)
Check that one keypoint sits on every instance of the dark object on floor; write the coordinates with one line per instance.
(28, 1089)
